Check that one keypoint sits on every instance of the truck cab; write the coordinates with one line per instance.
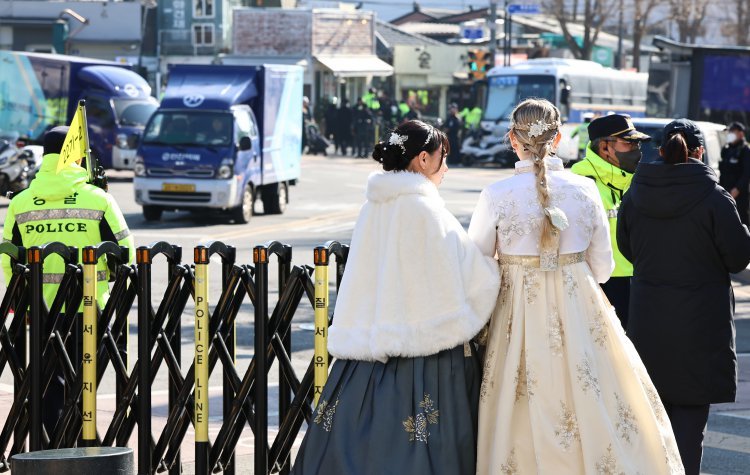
(222, 136)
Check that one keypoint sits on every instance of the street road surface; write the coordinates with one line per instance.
(324, 206)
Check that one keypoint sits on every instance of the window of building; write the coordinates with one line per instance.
(203, 8)
(203, 35)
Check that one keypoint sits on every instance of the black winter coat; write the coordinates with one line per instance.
(684, 237)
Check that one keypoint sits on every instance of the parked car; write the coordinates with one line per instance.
(713, 133)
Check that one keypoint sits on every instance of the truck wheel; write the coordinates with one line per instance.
(243, 213)
(275, 198)
(152, 213)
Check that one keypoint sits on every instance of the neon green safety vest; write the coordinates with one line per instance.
(64, 207)
(603, 172)
(371, 101)
(582, 132)
(473, 117)
(404, 108)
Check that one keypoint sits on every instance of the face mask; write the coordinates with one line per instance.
(628, 160)
(731, 137)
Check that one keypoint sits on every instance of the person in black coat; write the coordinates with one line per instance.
(682, 233)
(734, 168)
(452, 128)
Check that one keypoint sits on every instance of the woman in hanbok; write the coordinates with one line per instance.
(563, 390)
(403, 392)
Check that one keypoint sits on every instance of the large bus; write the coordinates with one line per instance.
(576, 87)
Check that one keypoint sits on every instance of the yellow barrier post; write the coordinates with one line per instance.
(321, 320)
(89, 346)
(201, 360)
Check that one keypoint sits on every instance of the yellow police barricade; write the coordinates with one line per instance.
(201, 360)
(89, 346)
(320, 357)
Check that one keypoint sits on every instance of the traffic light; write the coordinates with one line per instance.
(479, 63)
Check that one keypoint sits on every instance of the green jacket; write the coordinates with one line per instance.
(63, 207)
(582, 132)
(603, 173)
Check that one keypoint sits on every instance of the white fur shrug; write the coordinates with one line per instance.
(414, 284)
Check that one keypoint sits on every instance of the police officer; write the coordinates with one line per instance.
(63, 207)
(734, 168)
(452, 129)
(611, 158)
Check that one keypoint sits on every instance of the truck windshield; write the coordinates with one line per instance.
(505, 92)
(134, 112)
(189, 128)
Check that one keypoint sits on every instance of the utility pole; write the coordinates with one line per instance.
(493, 32)
(506, 39)
(620, 62)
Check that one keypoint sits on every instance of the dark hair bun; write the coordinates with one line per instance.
(390, 156)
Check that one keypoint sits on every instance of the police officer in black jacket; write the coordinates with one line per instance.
(734, 168)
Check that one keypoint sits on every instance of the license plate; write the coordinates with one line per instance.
(178, 187)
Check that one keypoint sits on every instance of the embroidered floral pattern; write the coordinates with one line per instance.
(598, 328)
(567, 427)
(417, 427)
(525, 382)
(555, 332)
(626, 424)
(488, 381)
(510, 467)
(586, 377)
(607, 464)
(505, 288)
(325, 413)
(569, 281)
(530, 284)
(655, 400)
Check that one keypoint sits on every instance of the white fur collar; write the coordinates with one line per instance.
(386, 186)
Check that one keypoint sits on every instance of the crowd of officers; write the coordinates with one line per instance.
(353, 128)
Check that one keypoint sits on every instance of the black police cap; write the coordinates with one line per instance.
(615, 125)
(736, 126)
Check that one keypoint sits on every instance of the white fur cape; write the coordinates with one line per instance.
(415, 284)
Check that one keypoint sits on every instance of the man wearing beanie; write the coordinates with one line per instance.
(63, 207)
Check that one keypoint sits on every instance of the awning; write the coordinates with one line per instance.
(356, 66)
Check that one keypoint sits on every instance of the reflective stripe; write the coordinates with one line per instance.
(612, 213)
(57, 278)
(122, 234)
(68, 213)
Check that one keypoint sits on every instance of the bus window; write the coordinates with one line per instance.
(505, 92)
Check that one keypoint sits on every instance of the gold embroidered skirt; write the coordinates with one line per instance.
(563, 389)
(408, 415)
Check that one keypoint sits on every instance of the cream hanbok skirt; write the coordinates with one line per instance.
(563, 388)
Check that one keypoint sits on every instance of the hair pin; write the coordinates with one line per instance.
(397, 139)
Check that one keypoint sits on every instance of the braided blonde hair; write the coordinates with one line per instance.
(535, 124)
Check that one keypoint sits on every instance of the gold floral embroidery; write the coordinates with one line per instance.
(567, 427)
(487, 381)
(417, 427)
(586, 377)
(504, 286)
(569, 281)
(655, 400)
(674, 462)
(510, 467)
(525, 382)
(626, 423)
(598, 328)
(555, 332)
(607, 465)
(530, 284)
(325, 414)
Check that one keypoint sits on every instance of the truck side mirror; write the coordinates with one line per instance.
(246, 143)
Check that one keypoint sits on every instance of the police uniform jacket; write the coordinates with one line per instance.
(684, 236)
(612, 184)
(64, 207)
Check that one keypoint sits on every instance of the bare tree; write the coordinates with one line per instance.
(737, 26)
(642, 21)
(595, 12)
(689, 16)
